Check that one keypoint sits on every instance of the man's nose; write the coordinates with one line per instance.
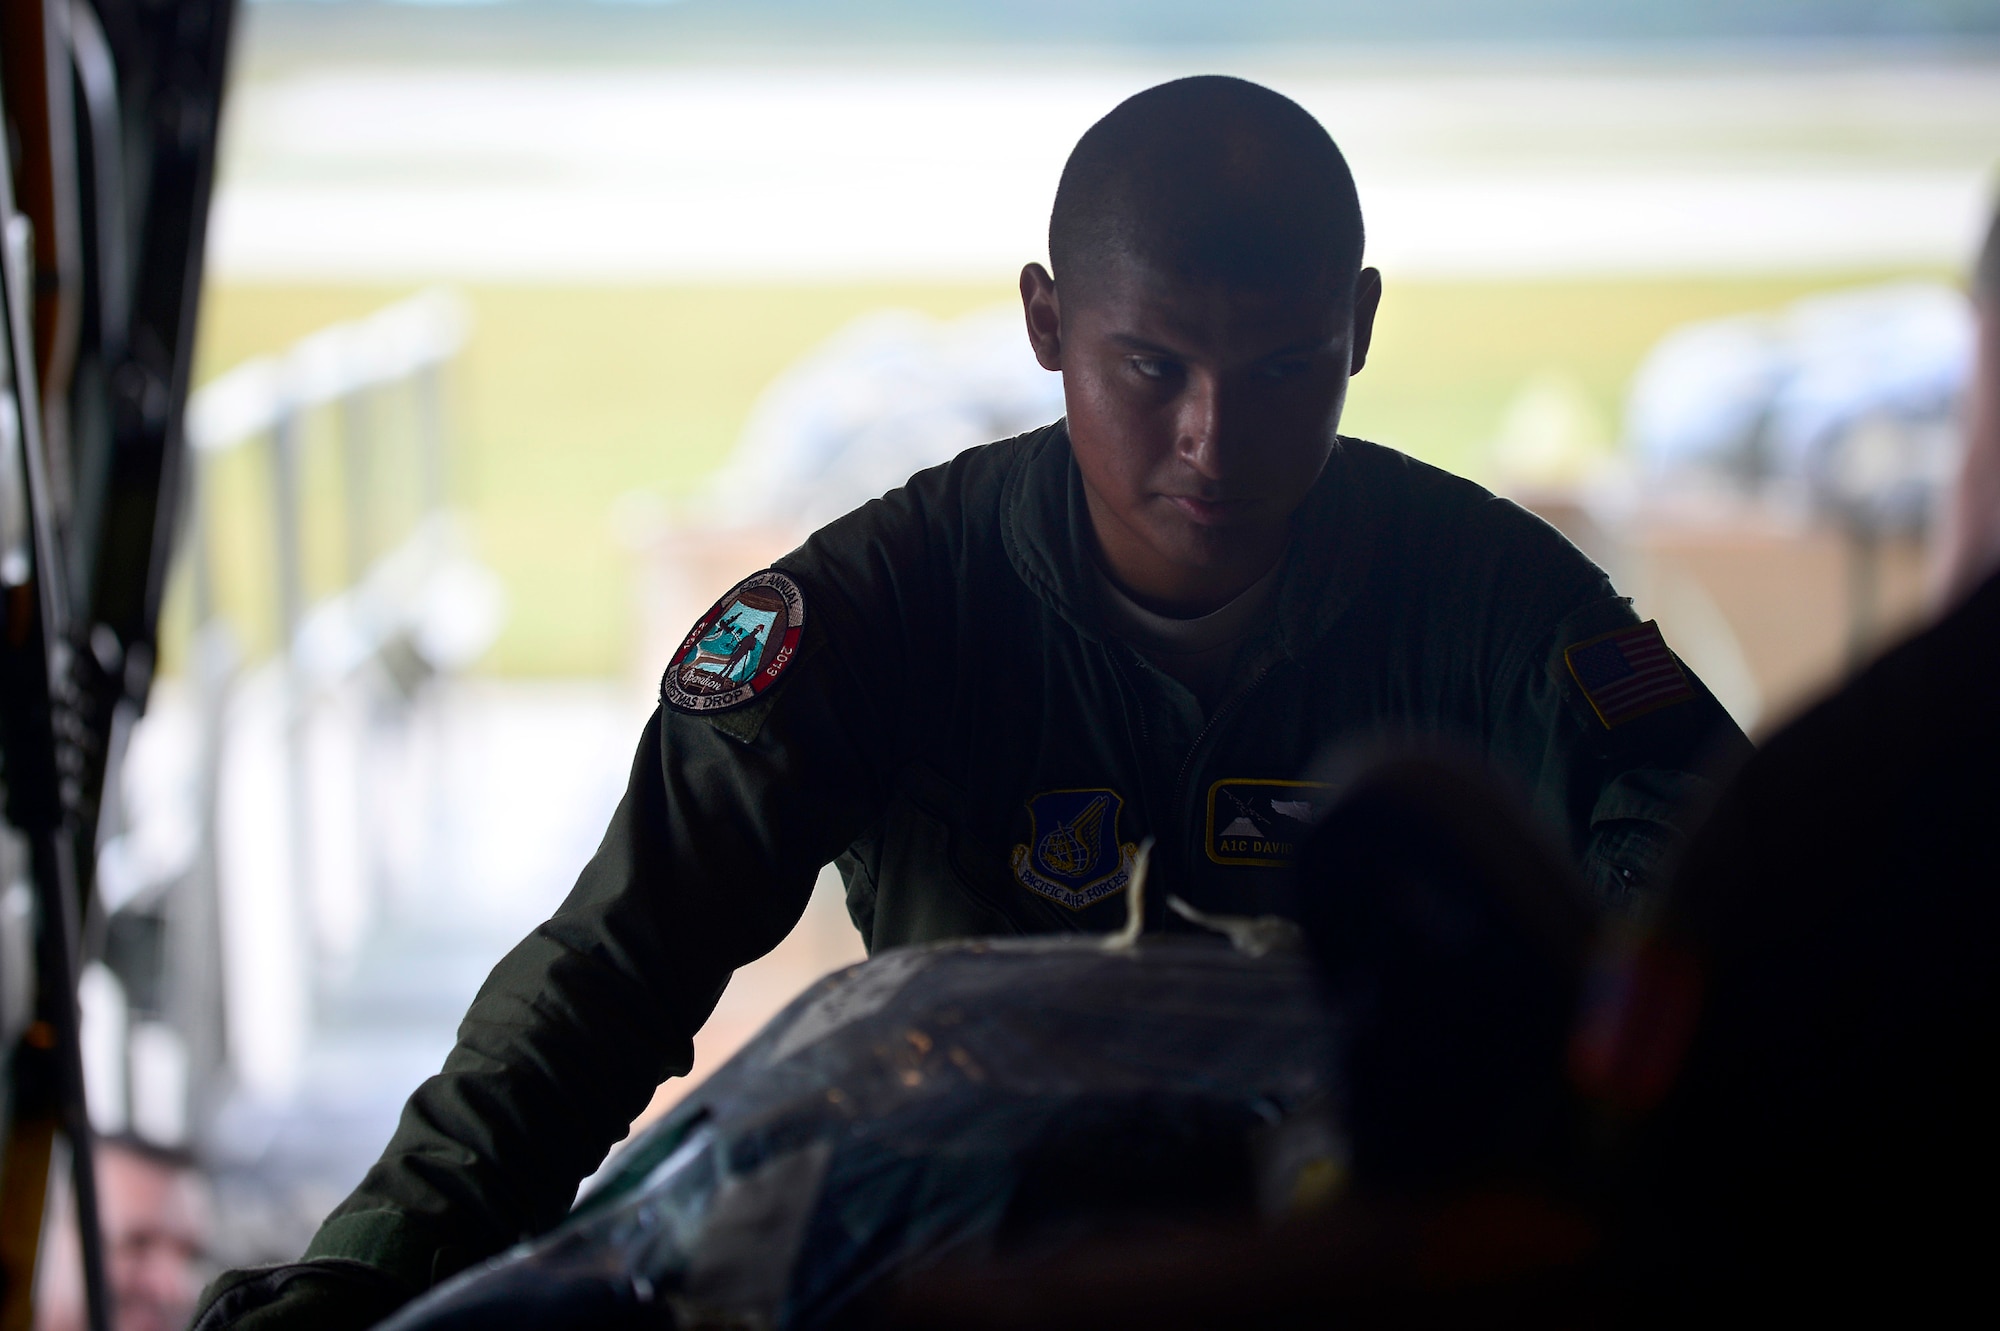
(1205, 426)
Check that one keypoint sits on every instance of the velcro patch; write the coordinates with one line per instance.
(739, 648)
(1627, 673)
(1262, 823)
(1073, 854)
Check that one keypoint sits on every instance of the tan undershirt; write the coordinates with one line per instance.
(1198, 652)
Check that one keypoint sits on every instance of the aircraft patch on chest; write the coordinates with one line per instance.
(1261, 823)
(739, 648)
(1073, 854)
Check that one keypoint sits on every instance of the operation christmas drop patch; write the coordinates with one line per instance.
(739, 649)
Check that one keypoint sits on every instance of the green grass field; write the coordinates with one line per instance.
(569, 397)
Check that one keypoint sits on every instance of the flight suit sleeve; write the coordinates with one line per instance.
(1627, 795)
(707, 863)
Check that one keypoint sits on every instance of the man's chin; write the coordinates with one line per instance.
(1207, 547)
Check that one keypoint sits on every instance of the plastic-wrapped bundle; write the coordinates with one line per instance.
(956, 1100)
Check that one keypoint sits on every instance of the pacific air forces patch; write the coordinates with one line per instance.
(1261, 823)
(740, 648)
(1073, 854)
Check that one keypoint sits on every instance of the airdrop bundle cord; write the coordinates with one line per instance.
(1127, 938)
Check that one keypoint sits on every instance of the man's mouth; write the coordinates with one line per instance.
(1210, 511)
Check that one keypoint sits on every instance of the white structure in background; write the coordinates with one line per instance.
(888, 395)
(1851, 399)
(852, 169)
(249, 821)
(1784, 468)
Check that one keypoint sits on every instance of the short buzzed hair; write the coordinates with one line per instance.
(1213, 179)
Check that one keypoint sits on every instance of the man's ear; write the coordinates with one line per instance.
(1367, 299)
(1044, 313)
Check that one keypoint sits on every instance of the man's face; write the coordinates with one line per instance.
(154, 1228)
(1200, 415)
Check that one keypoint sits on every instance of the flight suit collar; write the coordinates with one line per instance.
(1045, 527)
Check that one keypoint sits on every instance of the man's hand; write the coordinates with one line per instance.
(325, 1295)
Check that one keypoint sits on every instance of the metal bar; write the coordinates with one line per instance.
(51, 828)
(65, 711)
(55, 875)
(35, 56)
(287, 448)
(196, 998)
(24, 1179)
(356, 415)
(431, 445)
(97, 78)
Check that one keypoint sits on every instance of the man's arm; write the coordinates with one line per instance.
(1628, 766)
(707, 864)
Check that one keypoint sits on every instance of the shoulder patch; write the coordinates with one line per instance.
(1627, 673)
(740, 648)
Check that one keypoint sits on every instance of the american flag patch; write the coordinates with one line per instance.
(1627, 673)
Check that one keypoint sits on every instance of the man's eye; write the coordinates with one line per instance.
(1148, 367)
(1285, 369)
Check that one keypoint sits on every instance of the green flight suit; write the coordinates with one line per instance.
(952, 700)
